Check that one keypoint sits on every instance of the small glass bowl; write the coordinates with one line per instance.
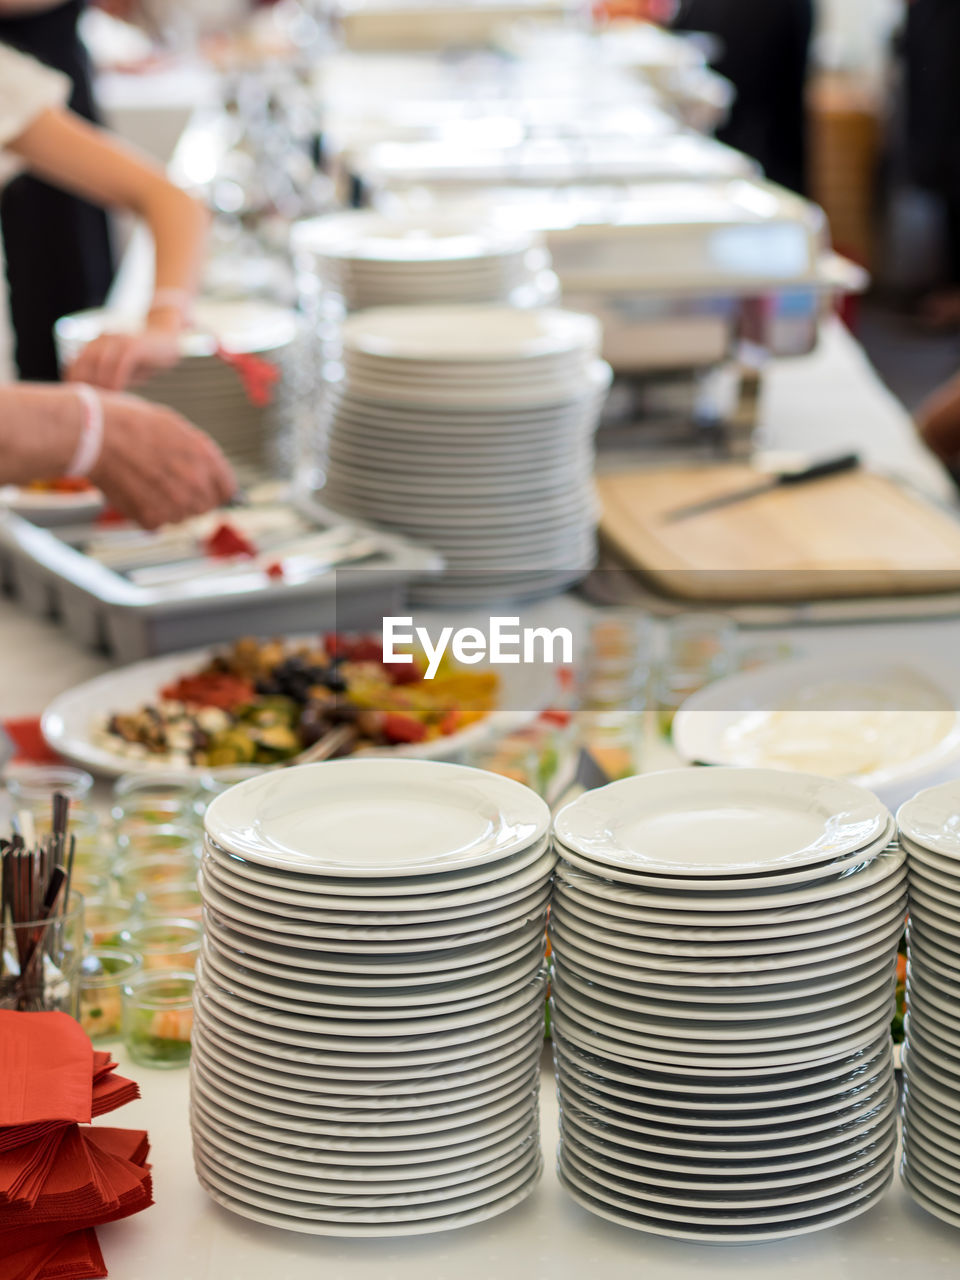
(166, 944)
(107, 921)
(135, 875)
(173, 901)
(33, 786)
(92, 884)
(158, 1018)
(145, 801)
(168, 838)
(215, 781)
(103, 973)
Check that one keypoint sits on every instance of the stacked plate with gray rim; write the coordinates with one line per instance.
(370, 997)
(372, 260)
(930, 835)
(472, 429)
(724, 946)
(204, 387)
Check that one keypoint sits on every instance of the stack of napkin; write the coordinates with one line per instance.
(59, 1177)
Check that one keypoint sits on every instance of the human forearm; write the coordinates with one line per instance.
(939, 422)
(39, 430)
(88, 162)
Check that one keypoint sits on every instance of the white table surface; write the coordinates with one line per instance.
(185, 1236)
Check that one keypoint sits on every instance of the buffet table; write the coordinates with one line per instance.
(826, 402)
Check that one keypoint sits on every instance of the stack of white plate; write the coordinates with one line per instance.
(203, 387)
(370, 999)
(472, 429)
(370, 260)
(725, 945)
(930, 835)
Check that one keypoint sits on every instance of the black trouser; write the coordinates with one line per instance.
(56, 246)
(765, 45)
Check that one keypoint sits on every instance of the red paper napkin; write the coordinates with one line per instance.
(74, 1257)
(28, 739)
(46, 1065)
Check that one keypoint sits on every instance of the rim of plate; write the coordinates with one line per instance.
(840, 818)
(931, 819)
(280, 819)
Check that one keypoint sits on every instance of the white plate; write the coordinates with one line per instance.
(529, 904)
(327, 992)
(623, 1126)
(280, 884)
(661, 1002)
(366, 970)
(424, 240)
(697, 1061)
(49, 509)
(374, 1069)
(284, 1091)
(723, 724)
(867, 927)
(377, 818)
(471, 334)
(675, 1033)
(417, 1029)
(830, 1172)
(735, 1088)
(69, 723)
(701, 822)
(389, 954)
(383, 1177)
(460, 1130)
(257, 1179)
(714, 1198)
(372, 1129)
(383, 907)
(929, 1196)
(875, 1126)
(716, 1231)
(369, 1045)
(932, 819)
(704, 1110)
(258, 1212)
(738, 906)
(929, 1127)
(926, 860)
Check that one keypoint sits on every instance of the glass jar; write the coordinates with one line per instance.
(33, 786)
(41, 961)
(701, 648)
(137, 875)
(166, 944)
(215, 781)
(106, 921)
(158, 1018)
(145, 801)
(178, 900)
(103, 973)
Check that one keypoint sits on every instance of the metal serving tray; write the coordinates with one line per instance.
(102, 608)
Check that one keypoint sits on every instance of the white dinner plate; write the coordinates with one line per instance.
(739, 907)
(723, 724)
(929, 1196)
(528, 905)
(364, 970)
(469, 334)
(932, 820)
(381, 906)
(705, 822)
(262, 1213)
(377, 818)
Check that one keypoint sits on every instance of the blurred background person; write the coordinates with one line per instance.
(763, 47)
(931, 51)
(57, 244)
(62, 149)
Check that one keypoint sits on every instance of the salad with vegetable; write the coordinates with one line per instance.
(263, 702)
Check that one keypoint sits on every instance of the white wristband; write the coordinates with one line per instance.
(87, 453)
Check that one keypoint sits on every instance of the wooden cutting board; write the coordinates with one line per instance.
(849, 535)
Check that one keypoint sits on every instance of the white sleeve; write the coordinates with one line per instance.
(27, 89)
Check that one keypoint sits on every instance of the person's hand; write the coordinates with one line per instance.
(116, 361)
(155, 467)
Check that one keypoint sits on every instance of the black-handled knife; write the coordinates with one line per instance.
(783, 480)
